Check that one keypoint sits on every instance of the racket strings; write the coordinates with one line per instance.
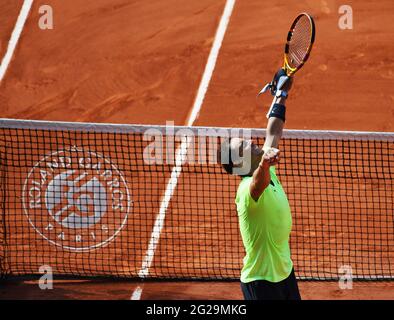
(300, 42)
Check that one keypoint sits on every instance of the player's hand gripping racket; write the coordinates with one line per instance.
(298, 47)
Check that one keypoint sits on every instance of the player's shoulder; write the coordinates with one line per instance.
(242, 199)
(244, 184)
(243, 188)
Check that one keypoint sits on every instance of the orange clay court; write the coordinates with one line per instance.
(141, 62)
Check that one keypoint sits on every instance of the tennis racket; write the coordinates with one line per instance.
(299, 43)
(300, 40)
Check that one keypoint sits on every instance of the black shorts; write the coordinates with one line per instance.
(264, 290)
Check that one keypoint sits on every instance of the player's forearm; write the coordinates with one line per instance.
(274, 133)
(261, 180)
(274, 129)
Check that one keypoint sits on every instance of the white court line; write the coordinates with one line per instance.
(171, 185)
(182, 151)
(136, 294)
(20, 23)
(210, 66)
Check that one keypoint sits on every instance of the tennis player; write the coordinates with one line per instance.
(264, 212)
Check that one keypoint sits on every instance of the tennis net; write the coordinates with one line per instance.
(101, 200)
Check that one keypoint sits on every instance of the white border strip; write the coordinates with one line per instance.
(206, 131)
(20, 23)
(337, 278)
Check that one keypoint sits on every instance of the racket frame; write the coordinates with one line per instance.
(289, 70)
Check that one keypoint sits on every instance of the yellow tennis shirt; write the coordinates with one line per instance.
(265, 228)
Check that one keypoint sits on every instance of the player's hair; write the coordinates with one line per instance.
(224, 155)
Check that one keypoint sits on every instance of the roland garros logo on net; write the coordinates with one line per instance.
(76, 199)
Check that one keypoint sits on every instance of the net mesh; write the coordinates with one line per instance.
(83, 200)
(300, 42)
(2, 210)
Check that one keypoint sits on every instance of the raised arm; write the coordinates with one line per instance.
(261, 176)
(274, 128)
